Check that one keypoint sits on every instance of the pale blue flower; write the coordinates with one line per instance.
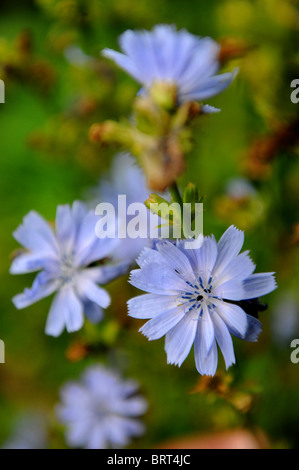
(30, 432)
(77, 57)
(285, 319)
(193, 298)
(239, 188)
(64, 257)
(101, 410)
(177, 57)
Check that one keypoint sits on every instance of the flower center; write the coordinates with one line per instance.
(67, 268)
(198, 294)
(101, 409)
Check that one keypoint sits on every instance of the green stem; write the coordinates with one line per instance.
(175, 194)
(176, 197)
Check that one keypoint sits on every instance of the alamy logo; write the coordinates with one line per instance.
(2, 352)
(2, 92)
(133, 221)
(295, 93)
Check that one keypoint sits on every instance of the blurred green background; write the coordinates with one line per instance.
(52, 98)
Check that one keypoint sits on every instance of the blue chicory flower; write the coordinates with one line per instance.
(101, 410)
(193, 297)
(65, 260)
(30, 432)
(239, 188)
(177, 57)
(285, 319)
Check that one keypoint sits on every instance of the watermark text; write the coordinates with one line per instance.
(2, 352)
(2, 92)
(163, 220)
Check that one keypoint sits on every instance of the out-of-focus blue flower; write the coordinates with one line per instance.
(177, 57)
(101, 410)
(64, 258)
(30, 433)
(77, 57)
(239, 188)
(193, 298)
(285, 319)
(127, 178)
